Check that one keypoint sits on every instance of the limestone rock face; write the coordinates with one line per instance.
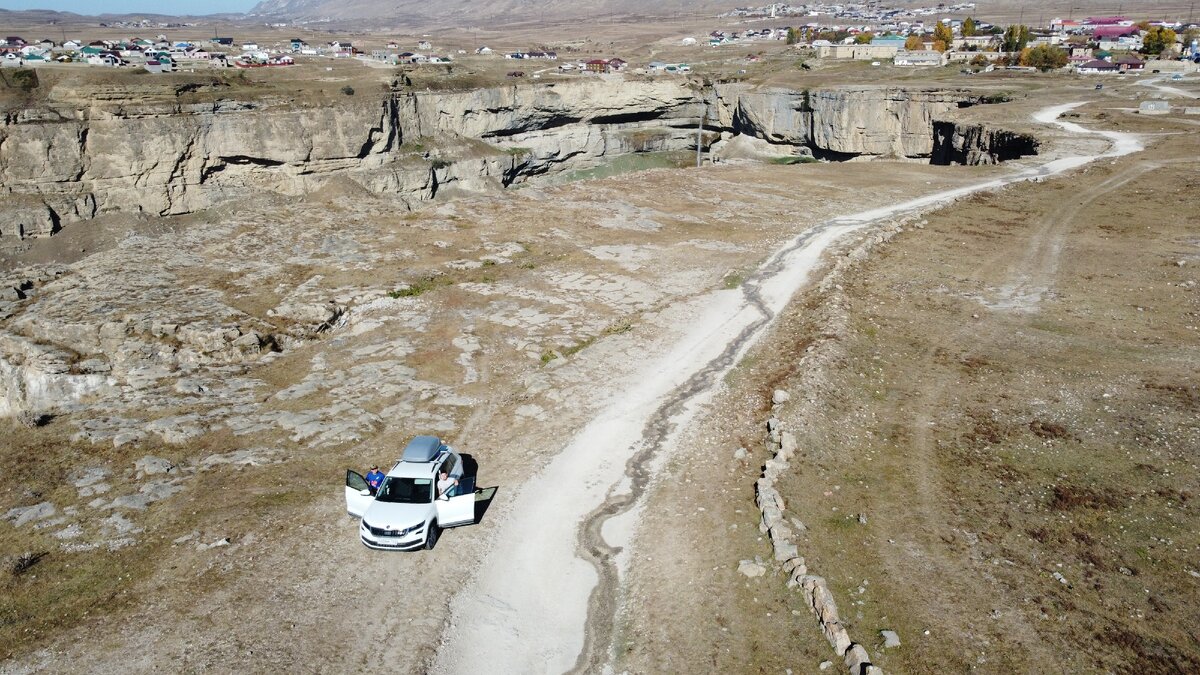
(75, 158)
(37, 378)
(86, 152)
(840, 122)
(957, 143)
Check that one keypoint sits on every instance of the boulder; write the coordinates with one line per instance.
(787, 445)
(890, 639)
(751, 568)
(150, 466)
(857, 659)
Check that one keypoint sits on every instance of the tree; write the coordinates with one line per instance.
(968, 27)
(980, 61)
(1190, 35)
(1016, 37)
(1044, 57)
(1157, 40)
(792, 38)
(864, 38)
(914, 43)
(942, 34)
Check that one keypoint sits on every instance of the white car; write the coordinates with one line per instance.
(406, 513)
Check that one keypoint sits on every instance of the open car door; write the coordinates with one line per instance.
(459, 509)
(358, 494)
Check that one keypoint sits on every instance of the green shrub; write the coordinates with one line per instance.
(25, 80)
(421, 286)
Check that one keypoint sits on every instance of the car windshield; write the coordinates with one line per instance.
(405, 490)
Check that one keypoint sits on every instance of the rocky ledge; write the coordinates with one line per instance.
(71, 157)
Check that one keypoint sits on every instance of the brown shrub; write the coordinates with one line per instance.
(1049, 430)
(1069, 497)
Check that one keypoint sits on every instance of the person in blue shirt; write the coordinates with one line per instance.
(374, 479)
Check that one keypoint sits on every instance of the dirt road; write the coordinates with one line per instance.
(536, 604)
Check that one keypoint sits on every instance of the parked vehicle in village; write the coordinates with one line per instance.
(406, 512)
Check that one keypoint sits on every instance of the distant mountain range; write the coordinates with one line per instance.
(480, 11)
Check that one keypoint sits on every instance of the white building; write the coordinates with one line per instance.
(922, 57)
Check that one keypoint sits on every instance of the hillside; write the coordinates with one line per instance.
(412, 11)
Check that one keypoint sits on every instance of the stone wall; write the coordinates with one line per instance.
(832, 326)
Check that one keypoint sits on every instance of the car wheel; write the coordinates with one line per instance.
(431, 536)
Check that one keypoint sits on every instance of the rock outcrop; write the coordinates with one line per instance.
(85, 152)
(958, 143)
(842, 123)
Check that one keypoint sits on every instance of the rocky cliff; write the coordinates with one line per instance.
(839, 123)
(77, 155)
(959, 143)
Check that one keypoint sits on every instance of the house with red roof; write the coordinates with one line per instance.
(1114, 32)
(1130, 63)
(1097, 67)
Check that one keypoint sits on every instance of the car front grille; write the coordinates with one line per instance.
(383, 532)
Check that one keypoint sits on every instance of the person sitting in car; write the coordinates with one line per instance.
(374, 479)
(446, 484)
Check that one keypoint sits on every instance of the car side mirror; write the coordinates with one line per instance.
(365, 493)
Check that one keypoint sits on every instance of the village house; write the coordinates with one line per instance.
(1097, 67)
(930, 57)
(617, 64)
(885, 49)
(1130, 64)
(975, 42)
(597, 66)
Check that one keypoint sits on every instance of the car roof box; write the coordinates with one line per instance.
(422, 449)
